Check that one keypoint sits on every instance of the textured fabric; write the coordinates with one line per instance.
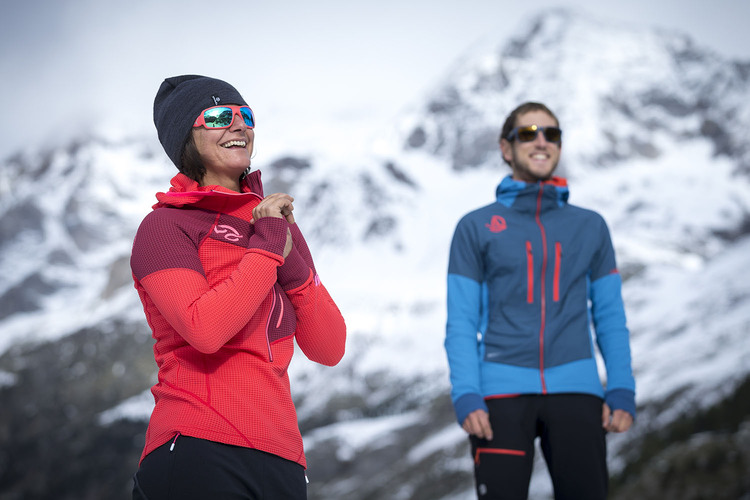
(521, 274)
(179, 101)
(224, 319)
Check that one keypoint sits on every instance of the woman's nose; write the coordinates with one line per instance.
(238, 122)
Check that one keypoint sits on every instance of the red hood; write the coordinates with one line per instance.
(185, 191)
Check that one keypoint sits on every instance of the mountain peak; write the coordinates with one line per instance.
(616, 89)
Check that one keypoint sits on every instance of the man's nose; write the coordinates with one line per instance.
(540, 139)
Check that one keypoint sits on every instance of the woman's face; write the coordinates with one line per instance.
(225, 152)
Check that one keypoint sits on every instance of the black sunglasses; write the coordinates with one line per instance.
(529, 133)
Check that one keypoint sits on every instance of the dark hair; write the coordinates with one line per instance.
(524, 108)
(190, 162)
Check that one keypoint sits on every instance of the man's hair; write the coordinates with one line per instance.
(191, 163)
(510, 122)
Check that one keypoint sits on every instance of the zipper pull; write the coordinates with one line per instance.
(171, 448)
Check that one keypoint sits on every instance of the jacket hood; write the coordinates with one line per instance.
(184, 191)
(511, 192)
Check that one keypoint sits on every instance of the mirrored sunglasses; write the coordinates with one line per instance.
(529, 133)
(222, 116)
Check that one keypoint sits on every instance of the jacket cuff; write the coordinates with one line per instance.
(621, 399)
(468, 403)
(270, 235)
(294, 272)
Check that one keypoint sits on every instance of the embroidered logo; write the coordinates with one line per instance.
(216, 100)
(497, 224)
(230, 233)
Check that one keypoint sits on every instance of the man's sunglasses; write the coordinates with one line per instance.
(222, 116)
(528, 134)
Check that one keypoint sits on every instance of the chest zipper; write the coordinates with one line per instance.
(556, 280)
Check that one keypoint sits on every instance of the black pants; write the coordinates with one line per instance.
(200, 469)
(572, 440)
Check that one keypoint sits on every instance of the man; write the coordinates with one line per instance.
(527, 276)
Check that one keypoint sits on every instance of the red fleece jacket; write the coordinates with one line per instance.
(225, 307)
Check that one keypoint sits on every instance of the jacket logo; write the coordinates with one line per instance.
(230, 233)
(497, 224)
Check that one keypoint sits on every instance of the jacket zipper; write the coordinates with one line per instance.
(529, 274)
(281, 311)
(174, 441)
(556, 281)
(542, 287)
(268, 325)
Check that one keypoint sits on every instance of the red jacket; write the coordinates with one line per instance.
(224, 307)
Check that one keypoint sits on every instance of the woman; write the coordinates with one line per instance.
(227, 283)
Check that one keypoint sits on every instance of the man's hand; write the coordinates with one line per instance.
(478, 424)
(617, 421)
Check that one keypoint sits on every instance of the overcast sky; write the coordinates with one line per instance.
(311, 70)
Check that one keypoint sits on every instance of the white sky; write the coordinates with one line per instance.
(315, 72)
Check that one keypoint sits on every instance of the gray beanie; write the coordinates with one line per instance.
(178, 103)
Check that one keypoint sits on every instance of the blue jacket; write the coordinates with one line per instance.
(527, 277)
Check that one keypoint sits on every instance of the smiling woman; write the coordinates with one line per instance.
(224, 151)
(228, 284)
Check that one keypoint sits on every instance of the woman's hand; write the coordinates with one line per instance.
(277, 205)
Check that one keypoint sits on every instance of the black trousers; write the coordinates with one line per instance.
(572, 441)
(200, 469)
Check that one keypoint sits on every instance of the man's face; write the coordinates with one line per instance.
(535, 160)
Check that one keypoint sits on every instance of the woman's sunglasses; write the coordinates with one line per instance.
(528, 134)
(222, 116)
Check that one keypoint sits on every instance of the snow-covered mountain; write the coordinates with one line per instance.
(654, 140)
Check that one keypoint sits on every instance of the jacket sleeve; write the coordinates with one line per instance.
(321, 331)
(206, 316)
(465, 270)
(612, 334)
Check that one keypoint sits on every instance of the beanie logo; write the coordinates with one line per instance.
(216, 100)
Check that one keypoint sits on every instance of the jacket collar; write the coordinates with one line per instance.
(523, 195)
(184, 191)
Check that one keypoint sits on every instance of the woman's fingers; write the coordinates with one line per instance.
(275, 205)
